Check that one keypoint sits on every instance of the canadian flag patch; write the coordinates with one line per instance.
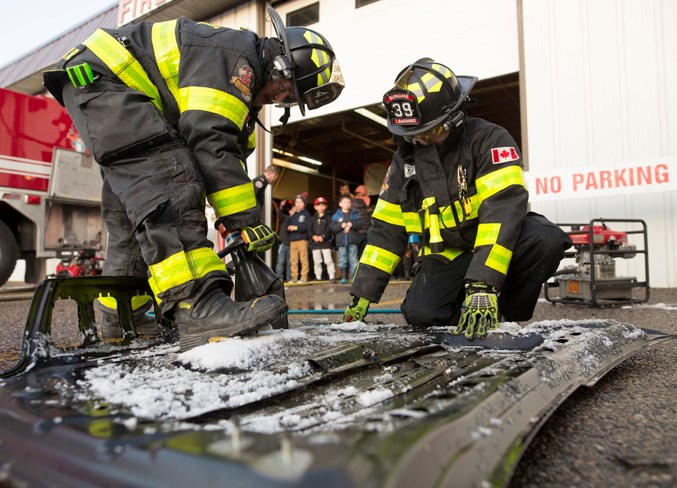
(503, 155)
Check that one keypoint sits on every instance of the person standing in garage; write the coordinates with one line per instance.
(458, 182)
(168, 110)
(298, 227)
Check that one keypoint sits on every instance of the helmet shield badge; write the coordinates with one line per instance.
(328, 92)
(402, 108)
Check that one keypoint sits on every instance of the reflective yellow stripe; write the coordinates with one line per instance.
(233, 200)
(122, 63)
(214, 101)
(499, 258)
(110, 302)
(427, 202)
(251, 141)
(167, 54)
(379, 258)
(319, 57)
(390, 213)
(487, 234)
(498, 180)
(450, 253)
(412, 222)
(183, 267)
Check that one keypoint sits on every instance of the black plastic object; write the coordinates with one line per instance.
(82, 290)
(253, 277)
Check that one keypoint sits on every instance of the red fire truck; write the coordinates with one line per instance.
(49, 187)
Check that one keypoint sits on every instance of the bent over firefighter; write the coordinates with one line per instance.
(168, 111)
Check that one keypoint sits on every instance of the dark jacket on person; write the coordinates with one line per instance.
(282, 223)
(337, 219)
(320, 226)
(260, 184)
(482, 200)
(302, 221)
(361, 207)
(211, 109)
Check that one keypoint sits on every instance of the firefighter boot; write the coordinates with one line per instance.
(108, 326)
(214, 316)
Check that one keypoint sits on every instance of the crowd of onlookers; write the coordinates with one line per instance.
(328, 240)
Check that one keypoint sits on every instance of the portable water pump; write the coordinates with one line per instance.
(593, 279)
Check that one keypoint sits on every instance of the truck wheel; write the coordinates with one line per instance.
(9, 253)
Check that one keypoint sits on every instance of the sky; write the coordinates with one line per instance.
(25, 26)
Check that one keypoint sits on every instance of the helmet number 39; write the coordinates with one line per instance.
(402, 107)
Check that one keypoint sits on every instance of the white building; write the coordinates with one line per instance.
(586, 87)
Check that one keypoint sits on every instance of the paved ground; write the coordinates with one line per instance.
(621, 432)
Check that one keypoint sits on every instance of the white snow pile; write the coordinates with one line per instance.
(245, 353)
(218, 375)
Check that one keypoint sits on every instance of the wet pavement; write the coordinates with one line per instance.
(621, 431)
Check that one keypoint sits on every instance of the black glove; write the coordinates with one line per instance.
(259, 238)
(479, 310)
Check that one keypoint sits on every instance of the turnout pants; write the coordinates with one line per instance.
(152, 197)
(438, 288)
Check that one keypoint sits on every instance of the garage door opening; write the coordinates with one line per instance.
(317, 155)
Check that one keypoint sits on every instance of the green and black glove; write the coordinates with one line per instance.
(259, 238)
(357, 309)
(479, 310)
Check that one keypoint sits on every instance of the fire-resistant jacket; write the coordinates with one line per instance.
(476, 180)
(202, 78)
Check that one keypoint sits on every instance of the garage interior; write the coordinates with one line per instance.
(355, 146)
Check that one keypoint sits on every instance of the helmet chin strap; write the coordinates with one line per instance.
(283, 119)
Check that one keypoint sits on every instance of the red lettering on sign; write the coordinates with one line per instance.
(546, 184)
(124, 7)
(619, 177)
(591, 182)
(578, 179)
(143, 6)
(644, 175)
(662, 174)
(132, 9)
(605, 179)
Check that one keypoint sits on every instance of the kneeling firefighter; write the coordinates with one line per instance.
(168, 110)
(457, 181)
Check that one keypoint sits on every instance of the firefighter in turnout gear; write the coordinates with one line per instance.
(458, 182)
(168, 110)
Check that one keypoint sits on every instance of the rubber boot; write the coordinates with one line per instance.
(213, 316)
(108, 325)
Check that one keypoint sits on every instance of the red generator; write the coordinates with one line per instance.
(593, 279)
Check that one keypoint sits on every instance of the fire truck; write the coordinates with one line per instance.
(50, 189)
